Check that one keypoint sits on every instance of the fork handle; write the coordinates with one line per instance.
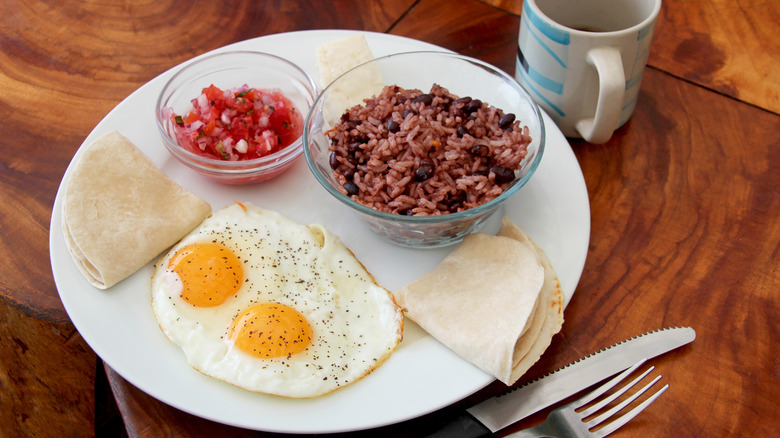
(529, 433)
(543, 430)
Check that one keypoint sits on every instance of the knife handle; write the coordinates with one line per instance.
(462, 425)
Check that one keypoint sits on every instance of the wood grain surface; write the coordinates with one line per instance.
(683, 198)
(729, 46)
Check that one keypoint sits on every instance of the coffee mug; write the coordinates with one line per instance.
(582, 60)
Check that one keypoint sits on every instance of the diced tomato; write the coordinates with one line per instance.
(213, 93)
(239, 128)
(213, 114)
(286, 121)
(191, 117)
(209, 128)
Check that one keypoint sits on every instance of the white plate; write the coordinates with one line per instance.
(420, 377)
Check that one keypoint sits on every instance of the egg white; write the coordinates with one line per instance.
(356, 323)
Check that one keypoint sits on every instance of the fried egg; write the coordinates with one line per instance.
(267, 304)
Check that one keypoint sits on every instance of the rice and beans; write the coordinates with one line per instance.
(413, 153)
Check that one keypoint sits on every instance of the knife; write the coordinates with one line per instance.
(499, 412)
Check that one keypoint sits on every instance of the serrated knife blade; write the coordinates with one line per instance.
(499, 412)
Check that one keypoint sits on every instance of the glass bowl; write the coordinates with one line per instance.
(462, 76)
(228, 70)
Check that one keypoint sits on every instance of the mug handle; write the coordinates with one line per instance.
(612, 88)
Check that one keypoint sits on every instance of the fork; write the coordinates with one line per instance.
(566, 421)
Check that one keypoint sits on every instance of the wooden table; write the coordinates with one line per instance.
(685, 225)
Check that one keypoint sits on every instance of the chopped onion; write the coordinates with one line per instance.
(241, 146)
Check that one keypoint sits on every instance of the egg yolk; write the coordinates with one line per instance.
(210, 273)
(270, 330)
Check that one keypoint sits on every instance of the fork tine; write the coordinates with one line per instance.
(598, 406)
(618, 423)
(607, 386)
(601, 418)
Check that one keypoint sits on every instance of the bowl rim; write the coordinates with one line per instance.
(239, 167)
(474, 211)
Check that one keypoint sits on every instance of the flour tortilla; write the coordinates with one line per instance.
(337, 57)
(479, 300)
(120, 211)
(550, 318)
(495, 301)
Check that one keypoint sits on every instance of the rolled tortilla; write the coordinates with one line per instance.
(549, 320)
(495, 301)
(120, 211)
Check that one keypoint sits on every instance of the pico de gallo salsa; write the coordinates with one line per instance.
(240, 123)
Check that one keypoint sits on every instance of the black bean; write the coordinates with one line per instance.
(351, 188)
(503, 175)
(332, 161)
(456, 199)
(505, 122)
(472, 106)
(360, 137)
(463, 100)
(425, 99)
(407, 112)
(393, 126)
(480, 150)
(354, 146)
(462, 130)
(349, 173)
(424, 171)
(457, 112)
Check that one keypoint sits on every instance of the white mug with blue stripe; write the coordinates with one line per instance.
(582, 60)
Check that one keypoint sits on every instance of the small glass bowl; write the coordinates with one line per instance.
(230, 70)
(462, 76)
